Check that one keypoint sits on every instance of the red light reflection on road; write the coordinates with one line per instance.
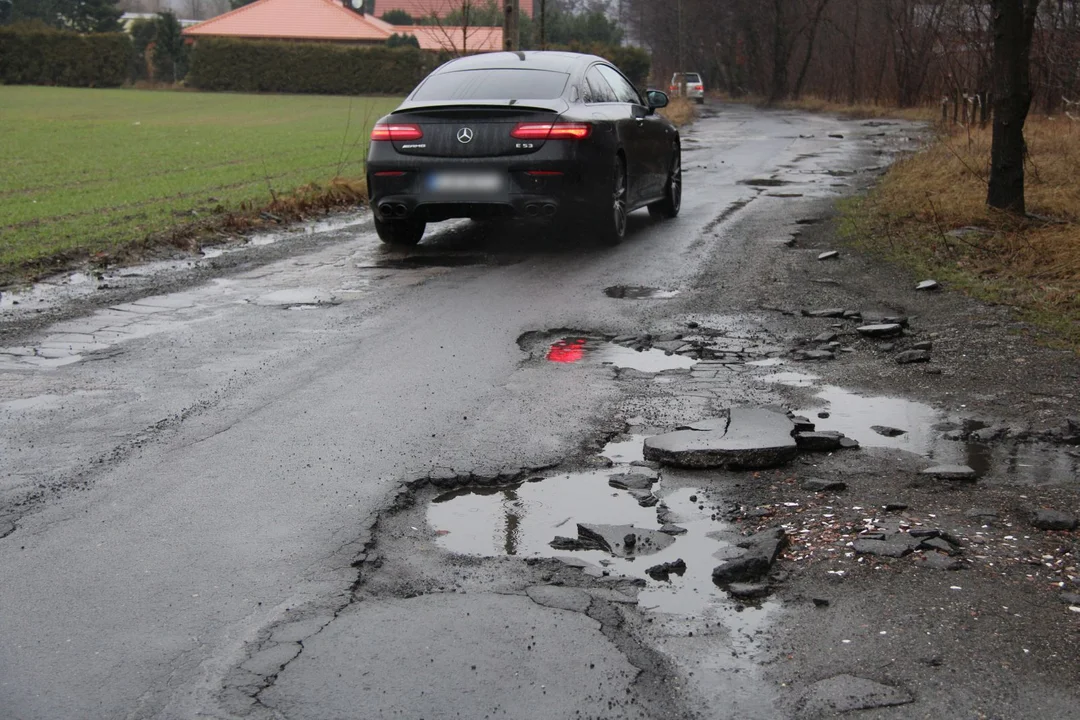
(570, 350)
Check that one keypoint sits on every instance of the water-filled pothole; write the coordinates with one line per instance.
(765, 182)
(634, 292)
(572, 350)
(857, 416)
(523, 519)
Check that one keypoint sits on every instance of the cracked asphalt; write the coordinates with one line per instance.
(219, 472)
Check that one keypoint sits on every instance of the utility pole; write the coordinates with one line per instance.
(511, 31)
(543, 32)
(682, 68)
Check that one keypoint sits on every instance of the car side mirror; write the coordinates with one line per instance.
(657, 99)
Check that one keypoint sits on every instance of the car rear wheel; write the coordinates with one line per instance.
(400, 232)
(672, 202)
(701, 101)
(611, 225)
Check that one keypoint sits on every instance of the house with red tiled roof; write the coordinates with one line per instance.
(440, 8)
(331, 21)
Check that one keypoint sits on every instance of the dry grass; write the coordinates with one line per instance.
(680, 111)
(1032, 264)
(859, 111)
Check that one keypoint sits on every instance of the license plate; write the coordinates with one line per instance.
(479, 182)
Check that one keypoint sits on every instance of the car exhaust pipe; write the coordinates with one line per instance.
(549, 209)
(386, 210)
(532, 209)
(400, 211)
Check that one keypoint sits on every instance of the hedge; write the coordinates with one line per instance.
(284, 67)
(41, 56)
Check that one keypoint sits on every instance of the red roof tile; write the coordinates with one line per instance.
(294, 19)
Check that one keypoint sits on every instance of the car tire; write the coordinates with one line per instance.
(611, 215)
(701, 101)
(671, 204)
(400, 232)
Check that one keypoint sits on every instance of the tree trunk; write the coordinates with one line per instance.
(1013, 24)
(779, 85)
(811, 39)
(853, 63)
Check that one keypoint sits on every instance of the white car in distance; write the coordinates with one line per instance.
(695, 88)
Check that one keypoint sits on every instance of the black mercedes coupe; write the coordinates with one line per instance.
(543, 135)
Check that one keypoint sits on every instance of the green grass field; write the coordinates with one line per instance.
(88, 171)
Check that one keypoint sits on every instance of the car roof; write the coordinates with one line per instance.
(530, 60)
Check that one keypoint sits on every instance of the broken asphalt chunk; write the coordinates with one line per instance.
(1044, 519)
(612, 538)
(893, 548)
(663, 570)
(741, 438)
(887, 431)
(633, 481)
(748, 591)
(928, 285)
(951, 472)
(829, 255)
(818, 441)
(881, 330)
(812, 355)
(824, 313)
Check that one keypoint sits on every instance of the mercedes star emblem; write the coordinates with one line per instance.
(465, 135)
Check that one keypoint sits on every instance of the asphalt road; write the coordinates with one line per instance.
(193, 473)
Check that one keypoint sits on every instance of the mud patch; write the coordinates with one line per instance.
(633, 292)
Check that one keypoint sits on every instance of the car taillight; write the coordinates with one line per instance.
(699, 87)
(551, 131)
(393, 131)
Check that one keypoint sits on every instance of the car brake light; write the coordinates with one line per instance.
(551, 131)
(390, 173)
(544, 173)
(392, 131)
(699, 87)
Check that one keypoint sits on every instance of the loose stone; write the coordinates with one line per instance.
(881, 330)
(830, 255)
(912, 356)
(819, 485)
(928, 285)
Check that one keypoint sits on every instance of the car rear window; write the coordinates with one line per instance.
(493, 84)
(693, 78)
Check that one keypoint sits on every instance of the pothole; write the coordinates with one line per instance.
(901, 424)
(298, 298)
(678, 536)
(765, 182)
(572, 350)
(646, 352)
(634, 292)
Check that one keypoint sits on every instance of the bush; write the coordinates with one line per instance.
(269, 66)
(36, 55)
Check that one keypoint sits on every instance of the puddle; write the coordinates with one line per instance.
(633, 292)
(624, 452)
(572, 350)
(792, 379)
(522, 520)
(855, 415)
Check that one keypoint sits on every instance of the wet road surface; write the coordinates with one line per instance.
(191, 477)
